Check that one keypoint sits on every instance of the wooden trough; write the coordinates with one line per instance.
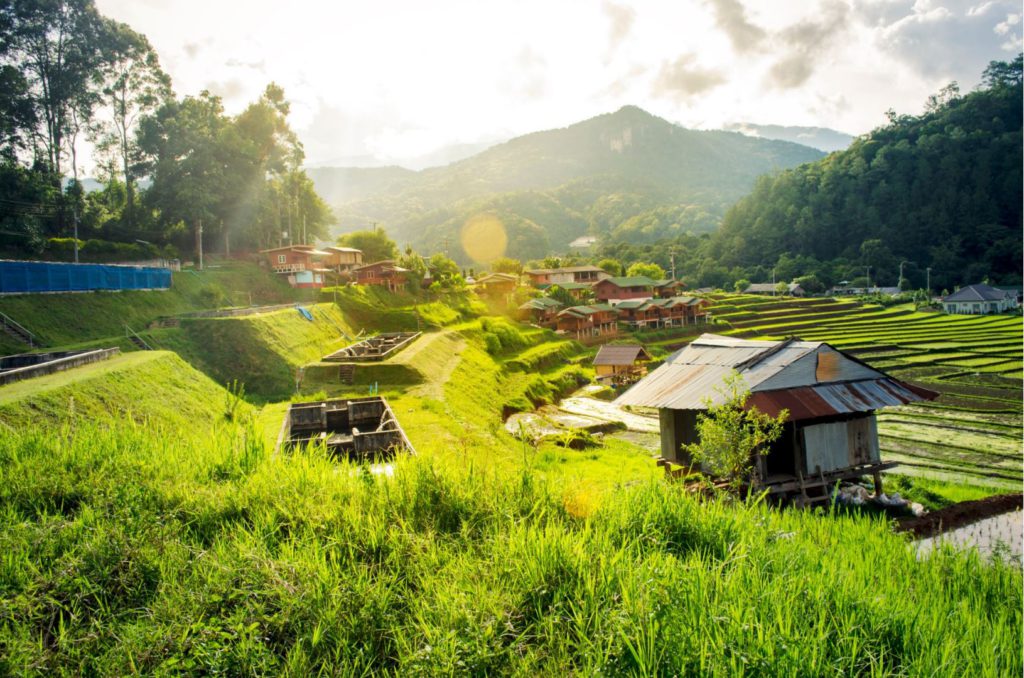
(359, 429)
(378, 347)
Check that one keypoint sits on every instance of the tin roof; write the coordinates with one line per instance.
(634, 281)
(978, 293)
(620, 355)
(810, 379)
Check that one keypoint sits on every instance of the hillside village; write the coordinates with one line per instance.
(615, 398)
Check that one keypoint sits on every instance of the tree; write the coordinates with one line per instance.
(561, 295)
(730, 434)
(57, 46)
(740, 285)
(652, 271)
(134, 85)
(375, 244)
(507, 265)
(610, 266)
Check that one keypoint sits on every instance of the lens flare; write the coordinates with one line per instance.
(483, 238)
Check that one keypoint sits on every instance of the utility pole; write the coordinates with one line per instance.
(199, 242)
(76, 233)
(900, 281)
(672, 258)
(928, 284)
(304, 230)
(868, 276)
(445, 242)
(773, 282)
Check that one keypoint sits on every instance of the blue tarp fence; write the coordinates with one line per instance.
(26, 277)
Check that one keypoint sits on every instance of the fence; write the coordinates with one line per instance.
(27, 277)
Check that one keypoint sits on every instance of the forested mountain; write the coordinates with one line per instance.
(592, 177)
(822, 138)
(941, 190)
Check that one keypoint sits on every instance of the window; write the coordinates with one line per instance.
(282, 258)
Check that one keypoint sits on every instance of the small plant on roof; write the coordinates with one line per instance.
(729, 435)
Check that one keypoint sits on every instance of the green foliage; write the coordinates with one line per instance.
(729, 435)
(741, 285)
(652, 271)
(611, 267)
(942, 190)
(375, 244)
(501, 336)
(507, 265)
(561, 295)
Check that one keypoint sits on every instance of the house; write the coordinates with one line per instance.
(830, 433)
(595, 320)
(497, 284)
(302, 264)
(846, 291)
(578, 291)
(544, 277)
(621, 364)
(792, 289)
(980, 299)
(382, 274)
(583, 242)
(667, 288)
(342, 259)
(541, 311)
(614, 290)
(656, 313)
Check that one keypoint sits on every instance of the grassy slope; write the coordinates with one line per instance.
(127, 553)
(147, 386)
(62, 319)
(262, 351)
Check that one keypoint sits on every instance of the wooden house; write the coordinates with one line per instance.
(302, 264)
(497, 285)
(612, 290)
(621, 365)
(541, 311)
(667, 288)
(658, 313)
(545, 277)
(830, 432)
(595, 320)
(342, 259)
(385, 274)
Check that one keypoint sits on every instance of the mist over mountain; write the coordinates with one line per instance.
(821, 138)
(595, 177)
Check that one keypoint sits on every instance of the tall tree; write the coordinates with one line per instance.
(134, 85)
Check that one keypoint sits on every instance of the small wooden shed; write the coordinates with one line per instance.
(621, 364)
(831, 397)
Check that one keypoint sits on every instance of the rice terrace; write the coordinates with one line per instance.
(386, 366)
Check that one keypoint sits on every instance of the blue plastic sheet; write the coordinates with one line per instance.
(27, 277)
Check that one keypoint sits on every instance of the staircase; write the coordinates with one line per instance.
(347, 373)
(134, 337)
(17, 332)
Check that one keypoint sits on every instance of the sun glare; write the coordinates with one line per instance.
(483, 238)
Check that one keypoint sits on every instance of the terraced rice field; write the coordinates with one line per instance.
(972, 433)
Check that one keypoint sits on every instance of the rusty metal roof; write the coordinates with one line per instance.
(620, 355)
(809, 378)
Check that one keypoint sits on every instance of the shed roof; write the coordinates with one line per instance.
(813, 375)
(631, 281)
(625, 354)
(979, 292)
(540, 304)
(498, 278)
(567, 269)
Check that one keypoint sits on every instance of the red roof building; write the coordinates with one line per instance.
(385, 274)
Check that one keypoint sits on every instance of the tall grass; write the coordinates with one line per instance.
(127, 550)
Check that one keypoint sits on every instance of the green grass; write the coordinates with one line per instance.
(64, 319)
(129, 550)
(146, 387)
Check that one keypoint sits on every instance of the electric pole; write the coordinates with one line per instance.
(899, 283)
(75, 212)
(868, 276)
(928, 284)
(199, 242)
(672, 258)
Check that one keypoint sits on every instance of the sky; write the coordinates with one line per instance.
(393, 81)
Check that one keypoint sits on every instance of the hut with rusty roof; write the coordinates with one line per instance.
(621, 364)
(830, 433)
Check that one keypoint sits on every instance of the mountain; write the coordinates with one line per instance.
(550, 187)
(942, 190)
(821, 138)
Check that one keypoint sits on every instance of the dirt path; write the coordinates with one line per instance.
(434, 388)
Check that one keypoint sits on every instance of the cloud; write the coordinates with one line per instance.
(260, 65)
(530, 68)
(804, 42)
(232, 88)
(192, 49)
(683, 78)
(731, 17)
(621, 20)
(951, 39)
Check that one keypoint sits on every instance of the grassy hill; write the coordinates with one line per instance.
(550, 187)
(64, 319)
(147, 387)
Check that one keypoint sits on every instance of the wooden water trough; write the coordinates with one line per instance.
(378, 347)
(359, 429)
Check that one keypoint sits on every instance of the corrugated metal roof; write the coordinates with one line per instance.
(812, 402)
(694, 376)
(620, 355)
